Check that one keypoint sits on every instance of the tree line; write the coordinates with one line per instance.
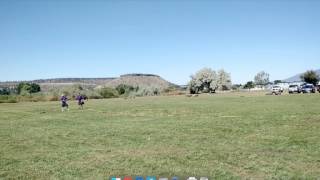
(21, 89)
(205, 80)
(262, 79)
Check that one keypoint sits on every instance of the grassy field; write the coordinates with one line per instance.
(227, 136)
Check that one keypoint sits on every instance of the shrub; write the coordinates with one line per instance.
(92, 94)
(35, 88)
(125, 89)
(24, 92)
(146, 91)
(108, 92)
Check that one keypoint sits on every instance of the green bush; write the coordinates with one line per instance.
(4, 91)
(146, 91)
(108, 92)
(92, 94)
(124, 89)
(28, 88)
(249, 85)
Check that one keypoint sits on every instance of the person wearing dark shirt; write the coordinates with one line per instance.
(64, 103)
(80, 98)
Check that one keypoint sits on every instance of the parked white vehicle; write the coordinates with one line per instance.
(277, 90)
(294, 89)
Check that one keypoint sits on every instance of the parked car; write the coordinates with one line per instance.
(318, 88)
(276, 90)
(308, 88)
(294, 89)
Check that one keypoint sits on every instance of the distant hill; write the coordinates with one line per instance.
(141, 80)
(297, 78)
(97, 81)
(129, 79)
(58, 83)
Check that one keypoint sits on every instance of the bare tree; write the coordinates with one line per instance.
(262, 78)
(224, 80)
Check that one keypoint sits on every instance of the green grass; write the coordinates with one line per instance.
(227, 136)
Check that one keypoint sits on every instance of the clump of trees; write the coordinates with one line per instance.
(21, 89)
(28, 88)
(277, 81)
(22, 92)
(310, 77)
(207, 80)
(4, 91)
(249, 85)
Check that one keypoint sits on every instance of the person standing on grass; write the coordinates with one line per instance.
(80, 99)
(64, 103)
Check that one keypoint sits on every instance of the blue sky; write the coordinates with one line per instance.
(50, 39)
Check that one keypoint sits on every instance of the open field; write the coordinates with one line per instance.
(223, 136)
